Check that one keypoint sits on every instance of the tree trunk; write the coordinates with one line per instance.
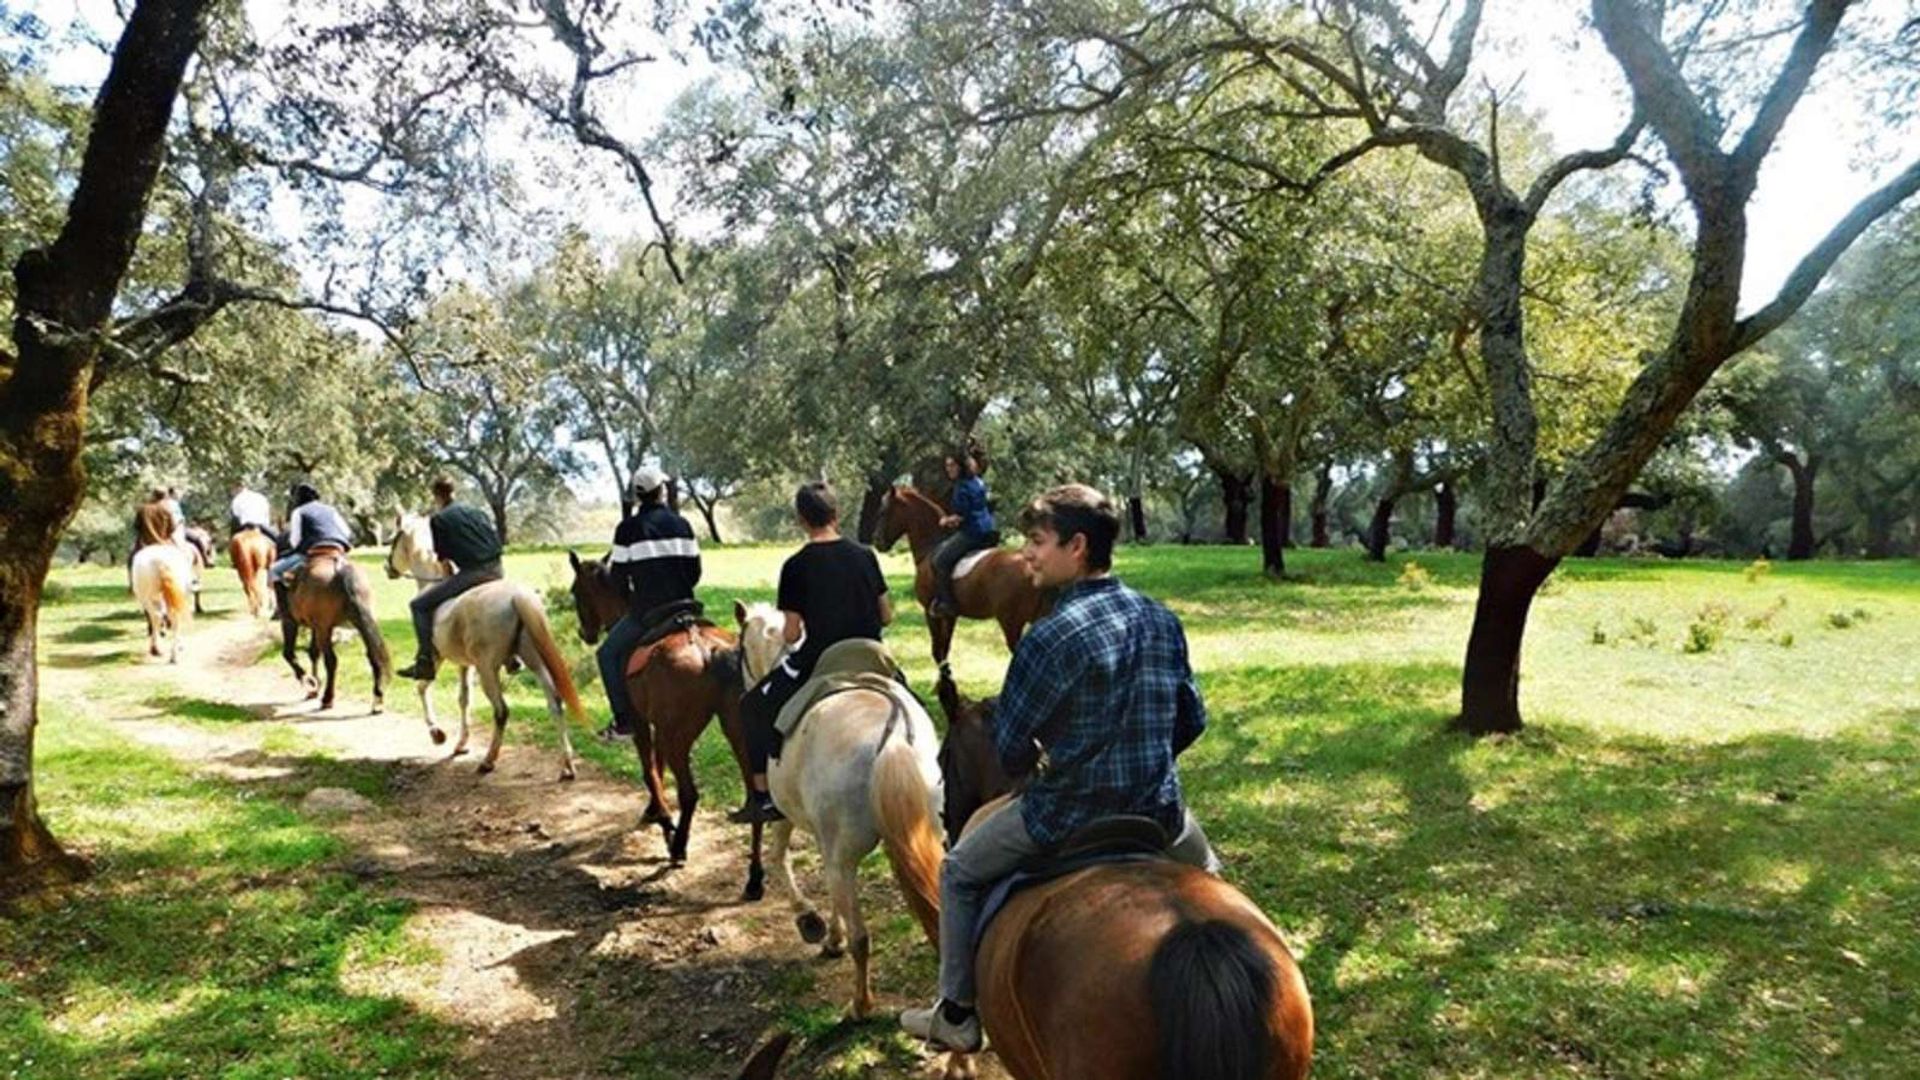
(1236, 491)
(1322, 490)
(870, 507)
(1490, 684)
(1446, 509)
(1378, 531)
(1591, 545)
(499, 508)
(1137, 513)
(64, 294)
(1801, 544)
(1276, 521)
(706, 511)
(1879, 522)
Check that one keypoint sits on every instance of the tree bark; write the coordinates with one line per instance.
(64, 297)
(1322, 491)
(706, 512)
(1379, 531)
(1446, 509)
(1236, 492)
(1490, 683)
(1276, 521)
(1591, 545)
(1137, 513)
(1801, 544)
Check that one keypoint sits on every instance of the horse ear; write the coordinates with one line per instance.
(573, 560)
(764, 1060)
(740, 614)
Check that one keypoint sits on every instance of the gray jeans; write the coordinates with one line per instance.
(994, 849)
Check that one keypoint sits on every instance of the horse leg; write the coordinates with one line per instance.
(679, 759)
(941, 630)
(656, 812)
(290, 647)
(490, 684)
(756, 871)
(843, 888)
(466, 710)
(332, 658)
(1011, 627)
(425, 690)
(813, 928)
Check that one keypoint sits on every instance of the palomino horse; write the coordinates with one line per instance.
(1146, 970)
(251, 552)
(478, 631)
(857, 771)
(690, 677)
(162, 574)
(998, 586)
(328, 591)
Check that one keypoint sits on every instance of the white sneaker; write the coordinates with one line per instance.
(931, 1025)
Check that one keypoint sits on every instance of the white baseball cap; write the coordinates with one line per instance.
(648, 478)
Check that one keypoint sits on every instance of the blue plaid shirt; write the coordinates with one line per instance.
(1104, 685)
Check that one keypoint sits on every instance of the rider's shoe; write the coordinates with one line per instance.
(931, 1024)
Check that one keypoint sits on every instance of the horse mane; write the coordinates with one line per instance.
(911, 495)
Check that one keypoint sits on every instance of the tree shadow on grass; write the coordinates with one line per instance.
(1562, 902)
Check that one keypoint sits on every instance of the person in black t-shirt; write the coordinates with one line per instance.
(830, 590)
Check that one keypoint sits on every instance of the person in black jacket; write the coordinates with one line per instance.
(464, 537)
(655, 564)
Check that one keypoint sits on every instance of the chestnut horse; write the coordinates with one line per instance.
(998, 586)
(251, 552)
(1129, 970)
(327, 592)
(690, 677)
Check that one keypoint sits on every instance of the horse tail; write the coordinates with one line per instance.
(902, 804)
(1212, 989)
(533, 619)
(359, 607)
(174, 592)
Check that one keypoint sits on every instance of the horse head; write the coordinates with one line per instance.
(412, 548)
(763, 639)
(969, 763)
(595, 600)
(890, 528)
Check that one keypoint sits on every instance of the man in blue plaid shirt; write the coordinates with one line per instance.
(1100, 697)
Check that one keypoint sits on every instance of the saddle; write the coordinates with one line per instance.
(1122, 838)
(854, 664)
(661, 623)
(324, 562)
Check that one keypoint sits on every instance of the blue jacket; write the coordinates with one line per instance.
(970, 502)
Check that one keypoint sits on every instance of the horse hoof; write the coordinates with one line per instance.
(486, 767)
(833, 952)
(754, 892)
(439, 737)
(379, 707)
(813, 928)
(566, 776)
(311, 694)
(460, 751)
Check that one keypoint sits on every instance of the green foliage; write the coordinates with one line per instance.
(1414, 577)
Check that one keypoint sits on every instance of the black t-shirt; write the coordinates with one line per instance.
(836, 587)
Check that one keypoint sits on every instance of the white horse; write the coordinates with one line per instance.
(162, 585)
(479, 631)
(861, 769)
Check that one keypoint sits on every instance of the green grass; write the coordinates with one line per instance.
(1692, 864)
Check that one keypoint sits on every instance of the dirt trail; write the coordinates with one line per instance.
(566, 946)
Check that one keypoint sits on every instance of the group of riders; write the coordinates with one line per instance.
(1099, 698)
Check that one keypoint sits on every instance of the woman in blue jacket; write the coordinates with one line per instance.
(972, 523)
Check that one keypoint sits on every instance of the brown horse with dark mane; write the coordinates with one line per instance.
(999, 586)
(1142, 970)
(690, 676)
(328, 592)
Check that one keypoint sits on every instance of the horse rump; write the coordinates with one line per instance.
(1212, 989)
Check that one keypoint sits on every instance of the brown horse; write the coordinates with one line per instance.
(330, 591)
(251, 552)
(1128, 971)
(998, 587)
(690, 677)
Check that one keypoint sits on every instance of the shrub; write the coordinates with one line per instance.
(1414, 577)
(1758, 569)
(1702, 636)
